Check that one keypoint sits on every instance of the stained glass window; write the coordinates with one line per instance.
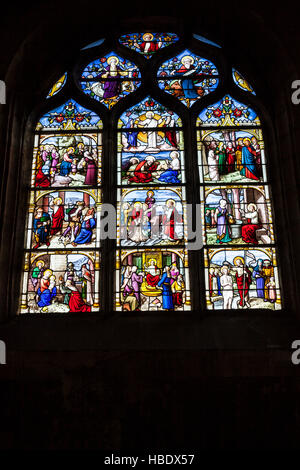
(62, 256)
(151, 211)
(148, 134)
(240, 260)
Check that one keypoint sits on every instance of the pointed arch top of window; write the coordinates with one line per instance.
(241, 82)
(148, 43)
(57, 85)
(149, 110)
(207, 41)
(228, 112)
(188, 77)
(69, 116)
(110, 78)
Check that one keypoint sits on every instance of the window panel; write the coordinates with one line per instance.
(236, 209)
(69, 116)
(188, 77)
(228, 112)
(240, 81)
(237, 215)
(148, 217)
(67, 160)
(61, 282)
(110, 78)
(241, 278)
(231, 155)
(62, 233)
(152, 280)
(58, 85)
(147, 43)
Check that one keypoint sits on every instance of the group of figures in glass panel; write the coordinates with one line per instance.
(154, 155)
(151, 214)
(63, 219)
(241, 278)
(62, 282)
(68, 160)
(153, 280)
(62, 259)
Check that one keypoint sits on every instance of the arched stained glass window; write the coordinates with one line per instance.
(152, 271)
(151, 133)
(62, 244)
(240, 260)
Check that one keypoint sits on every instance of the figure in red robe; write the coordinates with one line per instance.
(169, 218)
(152, 276)
(41, 180)
(243, 280)
(148, 45)
(230, 159)
(76, 302)
(57, 217)
(143, 171)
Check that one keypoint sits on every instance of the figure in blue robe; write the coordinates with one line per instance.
(86, 232)
(169, 176)
(65, 168)
(249, 169)
(41, 228)
(45, 297)
(167, 298)
(260, 281)
(131, 136)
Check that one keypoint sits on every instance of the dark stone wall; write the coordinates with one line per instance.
(141, 401)
(115, 383)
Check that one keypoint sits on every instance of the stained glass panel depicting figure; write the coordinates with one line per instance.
(57, 282)
(148, 43)
(67, 160)
(148, 217)
(242, 279)
(151, 148)
(240, 81)
(62, 219)
(188, 77)
(110, 78)
(58, 85)
(231, 156)
(237, 215)
(154, 280)
(149, 113)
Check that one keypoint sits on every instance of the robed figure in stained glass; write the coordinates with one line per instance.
(249, 169)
